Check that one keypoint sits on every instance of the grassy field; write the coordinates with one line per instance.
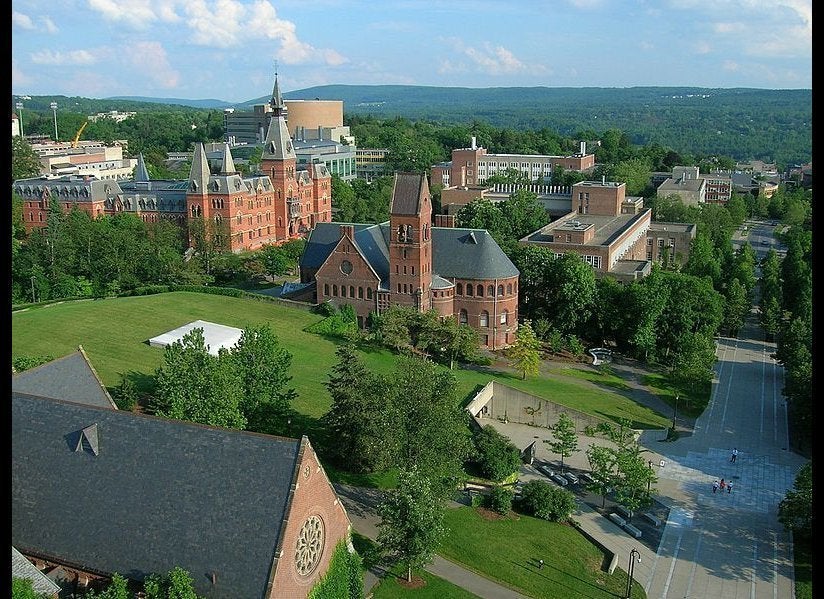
(390, 587)
(114, 334)
(690, 404)
(507, 550)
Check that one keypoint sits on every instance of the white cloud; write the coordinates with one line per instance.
(150, 59)
(229, 23)
(644, 45)
(728, 28)
(492, 60)
(136, 14)
(730, 65)
(21, 20)
(73, 57)
(702, 47)
(49, 25)
(586, 4)
(18, 77)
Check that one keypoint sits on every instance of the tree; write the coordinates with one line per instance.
(497, 456)
(736, 307)
(566, 440)
(275, 261)
(196, 386)
(118, 588)
(21, 588)
(546, 501)
(354, 421)
(524, 355)
(448, 339)
(635, 172)
(411, 526)
(25, 163)
(795, 511)
(263, 367)
(602, 461)
(176, 584)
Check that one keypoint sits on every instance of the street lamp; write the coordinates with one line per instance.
(637, 555)
(649, 480)
(19, 107)
(675, 413)
(53, 106)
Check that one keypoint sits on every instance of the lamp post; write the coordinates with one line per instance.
(53, 106)
(634, 553)
(19, 107)
(675, 413)
(649, 480)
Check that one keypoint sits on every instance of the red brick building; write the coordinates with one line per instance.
(406, 261)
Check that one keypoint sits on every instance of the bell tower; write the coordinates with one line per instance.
(410, 242)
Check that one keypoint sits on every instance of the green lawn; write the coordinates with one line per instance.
(390, 587)
(114, 333)
(507, 550)
(690, 404)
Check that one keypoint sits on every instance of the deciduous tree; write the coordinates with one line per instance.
(565, 439)
(524, 355)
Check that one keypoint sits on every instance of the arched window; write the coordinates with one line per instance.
(462, 317)
(490, 291)
(484, 321)
(504, 317)
(326, 289)
(500, 290)
(459, 289)
(480, 290)
(469, 289)
(343, 290)
(509, 289)
(351, 291)
(368, 293)
(360, 292)
(335, 290)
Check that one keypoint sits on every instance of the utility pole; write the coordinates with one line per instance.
(19, 107)
(53, 106)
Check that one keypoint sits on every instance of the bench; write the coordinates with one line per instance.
(617, 519)
(652, 519)
(623, 511)
(632, 530)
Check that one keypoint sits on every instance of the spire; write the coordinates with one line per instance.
(199, 175)
(278, 143)
(140, 172)
(228, 165)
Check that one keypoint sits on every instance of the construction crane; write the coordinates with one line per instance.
(79, 131)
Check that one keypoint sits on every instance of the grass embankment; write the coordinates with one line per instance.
(507, 551)
(114, 334)
(692, 403)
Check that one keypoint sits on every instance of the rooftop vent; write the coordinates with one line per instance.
(87, 440)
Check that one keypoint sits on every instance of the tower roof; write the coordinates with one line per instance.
(140, 172)
(227, 167)
(199, 175)
(407, 191)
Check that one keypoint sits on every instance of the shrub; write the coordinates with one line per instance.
(21, 363)
(500, 500)
(326, 309)
(125, 396)
(543, 500)
(498, 457)
(343, 578)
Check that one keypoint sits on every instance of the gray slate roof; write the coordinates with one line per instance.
(406, 193)
(70, 378)
(23, 568)
(159, 494)
(456, 253)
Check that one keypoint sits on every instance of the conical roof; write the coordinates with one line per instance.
(228, 165)
(140, 172)
(199, 175)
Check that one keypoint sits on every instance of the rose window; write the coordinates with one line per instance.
(309, 546)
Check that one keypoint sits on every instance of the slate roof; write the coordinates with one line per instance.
(158, 494)
(23, 568)
(70, 378)
(456, 253)
(406, 193)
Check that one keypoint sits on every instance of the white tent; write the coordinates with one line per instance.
(215, 335)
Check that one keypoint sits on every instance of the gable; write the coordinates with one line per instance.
(70, 378)
(346, 250)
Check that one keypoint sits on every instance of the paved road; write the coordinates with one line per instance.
(728, 545)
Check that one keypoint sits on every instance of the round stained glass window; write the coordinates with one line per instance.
(309, 546)
(346, 267)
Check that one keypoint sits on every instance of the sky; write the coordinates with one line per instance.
(230, 49)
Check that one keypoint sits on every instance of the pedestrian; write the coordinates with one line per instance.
(715, 486)
(734, 454)
(729, 487)
(540, 564)
(723, 485)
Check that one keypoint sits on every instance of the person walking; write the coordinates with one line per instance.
(715, 486)
(723, 485)
(734, 454)
(729, 487)
(540, 564)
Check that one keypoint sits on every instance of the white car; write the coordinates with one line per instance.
(570, 476)
(560, 480)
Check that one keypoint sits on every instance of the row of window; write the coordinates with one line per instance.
(593, 261)
(483, 318)
(343, 291)
(661, 242)
(478, 290)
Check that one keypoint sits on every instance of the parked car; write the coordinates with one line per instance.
(570, 476)
(560, 480)
(586, 478)
(546, 470)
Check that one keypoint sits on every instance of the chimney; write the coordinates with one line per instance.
(347, 231)
(603, 179)
(474, 147)
(583, 148)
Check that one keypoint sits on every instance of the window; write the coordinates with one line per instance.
(368, 293)
(660, 243)
(500, 290)
(360, 292)
(469, 290)
(459, 289)
(490, 291)
(509, 289)
(504, 316)
(649, 240)
(351, 291)
(343, 290)
(480, 291)
(326, 289)
(335, 290)
(462, 317)
(484, 321)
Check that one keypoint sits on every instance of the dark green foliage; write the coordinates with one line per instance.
(176, 584)
(343, 579)
(341, 324)
(118, 588)
(25, 163)
(500, 500)
(126, 396)
(795, 511)
(21, 363)
(543, 500)
(496, 455)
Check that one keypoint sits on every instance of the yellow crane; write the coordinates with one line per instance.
(79, 131)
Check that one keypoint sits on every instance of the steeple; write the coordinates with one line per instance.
(227, 167)
(140, 172)
(199, 175)
(278, 144)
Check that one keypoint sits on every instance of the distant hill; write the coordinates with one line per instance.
(202, 104)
